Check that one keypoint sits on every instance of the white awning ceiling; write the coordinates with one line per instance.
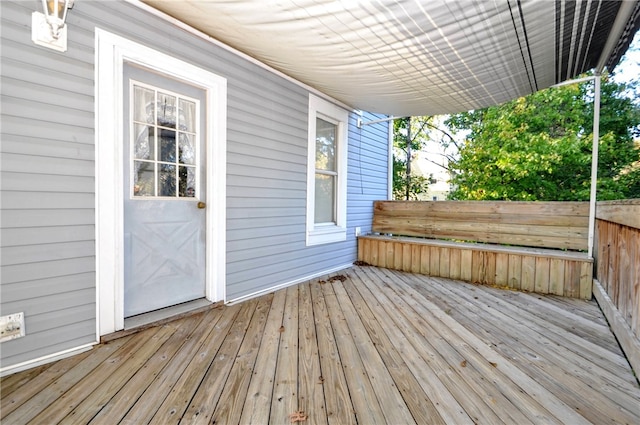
(407, 57)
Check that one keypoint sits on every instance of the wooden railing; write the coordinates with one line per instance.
(617, 274)
(490, 242)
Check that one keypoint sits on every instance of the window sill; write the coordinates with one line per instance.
(326, 234)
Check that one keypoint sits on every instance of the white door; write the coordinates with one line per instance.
(164, 191)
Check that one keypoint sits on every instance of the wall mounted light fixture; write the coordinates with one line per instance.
(48, 29)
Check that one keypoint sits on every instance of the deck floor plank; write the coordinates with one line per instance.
(544, 362)
(447, 406)
(78, 382)
(285, 389)
(39, 378)
(562, 315)
(257, 404)
(444, 314)
(506, 398)
(339, 406)
(579, 350)
(484, 403)
(204, 402)
(369, 345)
(365, 402)
(114, 405)
(420, 406)
(237, 384)
(406, 321)
(176, 403)
(111, 384)
(393, 405)
(155, 394)
(310, 392)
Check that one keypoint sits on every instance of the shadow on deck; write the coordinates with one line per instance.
(367, 346)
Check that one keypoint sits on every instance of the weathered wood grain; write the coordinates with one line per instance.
(369, 345)
(339, 404)
(625, 212)
(528, 269)
(561, 225)
(258, 397)
(285, 386)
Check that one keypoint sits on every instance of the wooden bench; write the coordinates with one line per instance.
(530, 246)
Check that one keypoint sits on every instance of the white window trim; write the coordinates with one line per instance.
(327, 233)
(111, 53)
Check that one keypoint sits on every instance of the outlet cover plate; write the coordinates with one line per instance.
(11, 326)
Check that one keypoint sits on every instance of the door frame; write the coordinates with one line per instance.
(112, 51)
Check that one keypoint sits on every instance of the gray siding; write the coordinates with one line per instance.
(48, 160)
(47, 169)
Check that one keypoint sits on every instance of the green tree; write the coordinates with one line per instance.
(408, 185)
(539, 147)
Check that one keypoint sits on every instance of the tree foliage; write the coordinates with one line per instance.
(406, 144)
(539, 147)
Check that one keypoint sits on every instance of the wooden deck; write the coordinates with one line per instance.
(369, 346)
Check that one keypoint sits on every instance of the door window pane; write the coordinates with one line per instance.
(144, 182)
(143, 105)
(144, 145)
(167, 144)
(187, 182)
(167, 180)
(166, 106)
(186, 149)
(164, 155)
(187, 116)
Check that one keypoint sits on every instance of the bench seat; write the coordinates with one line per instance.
(540, 270)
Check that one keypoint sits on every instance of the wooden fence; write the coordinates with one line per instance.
(529, 228)
(617, 275)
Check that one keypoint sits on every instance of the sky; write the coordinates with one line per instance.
(629, 66)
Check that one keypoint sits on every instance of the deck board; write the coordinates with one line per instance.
(368, 345)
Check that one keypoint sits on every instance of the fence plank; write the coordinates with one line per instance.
(425, 259)
(542, 275)
(515, 271)
(465, 265)
(502, 269)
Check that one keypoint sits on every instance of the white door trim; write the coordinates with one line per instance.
(111, 53)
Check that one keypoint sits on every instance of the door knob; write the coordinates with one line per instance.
(201, 205)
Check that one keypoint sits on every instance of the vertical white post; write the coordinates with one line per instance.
(594, 162)
(408, 176)
(390, 162)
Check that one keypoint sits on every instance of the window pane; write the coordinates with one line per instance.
(144, 142)
(167, 180)
(143, 179)
(143, 105)
(186, 149)
(325, 145)
(187, 184)
(166, 110)
(167, 145)
(164, 151)
(187, 116)
(325, 199)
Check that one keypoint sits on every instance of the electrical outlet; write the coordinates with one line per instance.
(11, 326)
(358, 231)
